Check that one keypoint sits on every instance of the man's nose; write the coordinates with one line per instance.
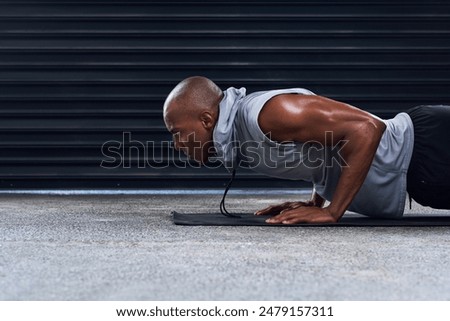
(176, 141)
(179, 146)
(176, 145)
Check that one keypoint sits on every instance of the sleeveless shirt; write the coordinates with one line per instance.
(239, 141)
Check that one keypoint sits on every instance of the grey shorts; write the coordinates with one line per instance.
(428, 181)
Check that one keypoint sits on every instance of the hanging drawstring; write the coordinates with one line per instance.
(223, 210)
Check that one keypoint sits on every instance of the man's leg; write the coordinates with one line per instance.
(428, 181)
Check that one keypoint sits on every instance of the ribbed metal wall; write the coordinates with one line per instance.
(74, 75)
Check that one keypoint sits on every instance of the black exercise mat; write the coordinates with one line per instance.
(347, 220)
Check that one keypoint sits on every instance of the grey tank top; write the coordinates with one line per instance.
(239, 141)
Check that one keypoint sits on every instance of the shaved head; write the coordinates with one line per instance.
(194, 94)
(191, 111)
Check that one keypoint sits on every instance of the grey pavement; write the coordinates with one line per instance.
(125, 247)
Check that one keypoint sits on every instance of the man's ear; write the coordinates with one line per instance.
(207, 119)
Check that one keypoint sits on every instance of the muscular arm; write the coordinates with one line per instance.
(305, 118)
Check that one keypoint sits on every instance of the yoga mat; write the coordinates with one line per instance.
(247, 219)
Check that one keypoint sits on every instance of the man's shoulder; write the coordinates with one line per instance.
(252, 103)
(261, 97)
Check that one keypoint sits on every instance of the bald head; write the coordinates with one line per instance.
(191, 112)
(192, 95)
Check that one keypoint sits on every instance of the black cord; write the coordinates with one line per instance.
(223, 210)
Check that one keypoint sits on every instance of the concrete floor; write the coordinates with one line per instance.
(125, 247)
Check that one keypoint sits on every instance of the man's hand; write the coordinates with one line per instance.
(277, 209)
(302, 214)
(299, 212)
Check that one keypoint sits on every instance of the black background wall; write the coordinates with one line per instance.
(77, 74)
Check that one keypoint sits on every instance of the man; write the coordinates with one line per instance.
(355, 160)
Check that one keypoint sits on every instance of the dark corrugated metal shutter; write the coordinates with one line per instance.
(75, 75)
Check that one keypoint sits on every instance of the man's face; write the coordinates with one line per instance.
(189, 134)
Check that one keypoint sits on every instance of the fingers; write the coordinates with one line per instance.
(273, 209)
(277, 209)
(268, 210)
(302, 215)
(285, 217)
